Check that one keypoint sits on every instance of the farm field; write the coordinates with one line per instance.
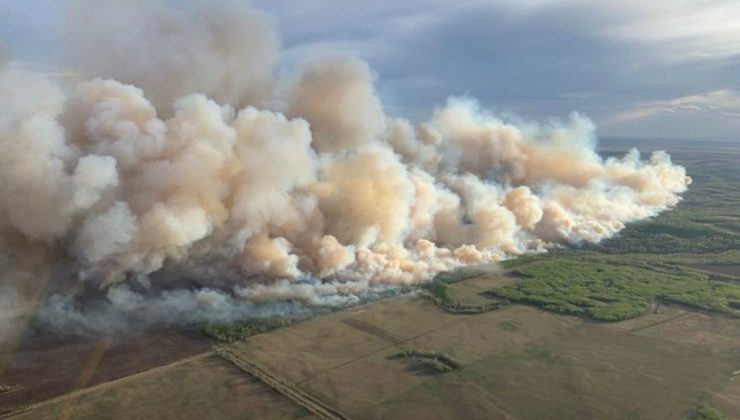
(43, 368)
(203, 386)
(518, 362)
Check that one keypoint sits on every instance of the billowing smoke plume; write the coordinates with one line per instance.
(152, 185)
(228, 52)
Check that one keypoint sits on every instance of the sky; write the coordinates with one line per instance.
(659, 68)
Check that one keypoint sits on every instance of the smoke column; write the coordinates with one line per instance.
(163, 189)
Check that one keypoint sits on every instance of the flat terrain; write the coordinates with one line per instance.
(475, 291)
(45, 368)
(201, 387)
(518, 362)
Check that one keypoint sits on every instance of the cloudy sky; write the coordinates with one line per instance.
(660, 68)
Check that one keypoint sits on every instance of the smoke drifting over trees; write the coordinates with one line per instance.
(165, 184)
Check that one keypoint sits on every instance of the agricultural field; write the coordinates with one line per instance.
(516, 362)
(45, 368)
(643, 326)
(203, 386)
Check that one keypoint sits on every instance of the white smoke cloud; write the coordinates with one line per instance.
(202, 209)
(227, 52)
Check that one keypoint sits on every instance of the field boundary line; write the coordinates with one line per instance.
(374, 330)
(663, 321)
(81, 392)
(461, 318)
(292, 392)
(325, 371)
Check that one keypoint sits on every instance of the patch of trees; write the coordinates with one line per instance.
(436, 291)
(439, 362)
(613, 292)
(704, 411)
(230, 332)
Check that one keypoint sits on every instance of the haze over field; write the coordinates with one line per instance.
(184, 178)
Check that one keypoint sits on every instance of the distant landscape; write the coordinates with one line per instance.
(644, 325)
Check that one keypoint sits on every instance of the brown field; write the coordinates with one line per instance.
(727, 399)
(204, 386)
(472, 292)
(45, 368)
(656, 315)
(706, 332)
(728, 270)
(517, 363)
